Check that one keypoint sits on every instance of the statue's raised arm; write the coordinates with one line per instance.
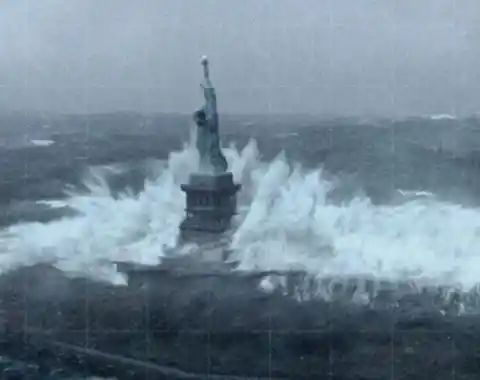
(209, 93)
(206, 118)
(206, 72)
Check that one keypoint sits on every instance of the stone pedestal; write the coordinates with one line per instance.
(211, 203)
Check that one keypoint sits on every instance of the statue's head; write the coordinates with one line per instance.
(200, 118)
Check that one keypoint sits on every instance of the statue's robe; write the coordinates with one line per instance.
(208, 139)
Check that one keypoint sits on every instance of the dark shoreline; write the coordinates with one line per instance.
(234, 330)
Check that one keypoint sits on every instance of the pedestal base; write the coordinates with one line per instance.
(211, 203)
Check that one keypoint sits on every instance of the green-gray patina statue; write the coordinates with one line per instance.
(208, 139)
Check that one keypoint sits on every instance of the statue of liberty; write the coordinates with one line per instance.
(206, 119)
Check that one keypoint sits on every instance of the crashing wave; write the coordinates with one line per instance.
(287, 222)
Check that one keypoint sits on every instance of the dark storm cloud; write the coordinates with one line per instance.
(302, 56)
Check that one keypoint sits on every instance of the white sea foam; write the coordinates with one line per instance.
(442, 116)
(287, 222)
(52, 204)
(42, 142)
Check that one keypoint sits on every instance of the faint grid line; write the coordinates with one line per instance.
(455, 59)
(256, 86)
(147, 298)
(26, 81)
(270, 341)
(272, 331)
(86, 94)
(209, 338)
(393, 101)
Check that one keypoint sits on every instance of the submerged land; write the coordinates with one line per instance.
(229, 327)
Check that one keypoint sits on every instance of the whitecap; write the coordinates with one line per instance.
(42, 142)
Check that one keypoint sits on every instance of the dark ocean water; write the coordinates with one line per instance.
(387, 162)
(375, 158)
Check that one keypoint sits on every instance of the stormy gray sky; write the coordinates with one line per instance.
(344, 57)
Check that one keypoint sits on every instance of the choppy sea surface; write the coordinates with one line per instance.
(384, 200)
